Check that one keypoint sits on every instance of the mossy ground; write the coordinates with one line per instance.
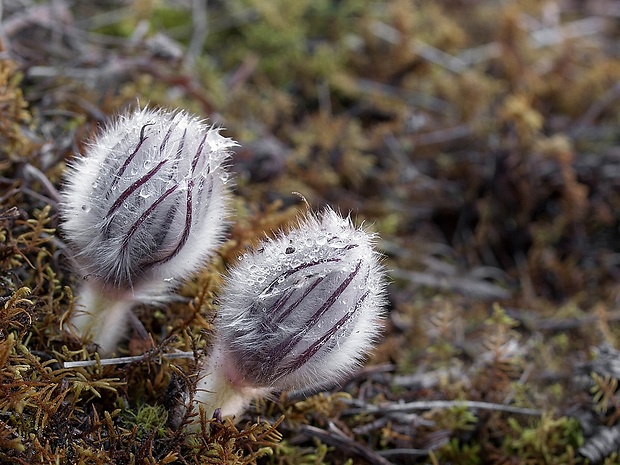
(480, 139)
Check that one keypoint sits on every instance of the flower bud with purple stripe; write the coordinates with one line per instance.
(145, 207)
(302, 310)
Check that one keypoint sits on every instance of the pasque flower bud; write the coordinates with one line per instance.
(301, 310)
(142, 210)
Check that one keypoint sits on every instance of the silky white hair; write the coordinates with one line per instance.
(148, 200)
(143, 209)
(303, 308)
(300, 311)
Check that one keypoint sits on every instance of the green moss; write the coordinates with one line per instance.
(549, 440)
(458, 452)
(151, 418)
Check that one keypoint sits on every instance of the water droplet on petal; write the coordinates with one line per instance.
(337, 243)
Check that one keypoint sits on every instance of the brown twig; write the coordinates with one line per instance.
(344, 443)
(436, 404)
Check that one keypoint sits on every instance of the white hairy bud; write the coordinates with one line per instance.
(302, 310)
(143, 209)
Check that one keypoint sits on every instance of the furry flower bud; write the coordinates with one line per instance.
(148, 199)
(146, 206)
(302, 310)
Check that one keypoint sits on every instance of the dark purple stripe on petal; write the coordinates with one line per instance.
(164, 142)
(199, 152)
(277, 306)
(295, 304)
(145, 215)
(186, 229)
(291, 341)
(316, 345)
(292, 271)
(181, 145)
(342, 249)
(131, 189)
(204, 202)
(129, 159)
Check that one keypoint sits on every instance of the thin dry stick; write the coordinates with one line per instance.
(437, 404)
(607, 100)
(538, 39)
(402, 451)
(426, 51)
(345, 443)
(573, 30)
(443, 135)
(123, 360)
(32, 172)
(199, 32)
(461, 284)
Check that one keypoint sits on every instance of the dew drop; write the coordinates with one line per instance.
(338, 243)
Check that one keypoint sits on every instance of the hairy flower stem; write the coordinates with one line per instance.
(102, 318)
(222, 387)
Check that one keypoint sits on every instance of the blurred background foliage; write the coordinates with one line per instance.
(479, 138)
